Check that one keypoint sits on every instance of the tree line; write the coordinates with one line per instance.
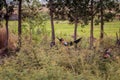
(75, 11)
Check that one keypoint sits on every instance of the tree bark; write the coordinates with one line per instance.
(7, 31)
(102, 21)
(91, 28)
(6, 24)
(52, 23)
(75, 29)
(19, 23)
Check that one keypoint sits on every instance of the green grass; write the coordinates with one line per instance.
(64, 28)
(41, 62)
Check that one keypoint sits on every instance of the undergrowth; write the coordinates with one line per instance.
(38, 61)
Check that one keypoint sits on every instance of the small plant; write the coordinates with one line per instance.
(118, 38)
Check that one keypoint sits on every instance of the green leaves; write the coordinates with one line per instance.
(1, 5)
(69, 9)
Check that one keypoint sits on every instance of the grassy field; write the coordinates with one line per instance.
(38, 61)
(64, 28)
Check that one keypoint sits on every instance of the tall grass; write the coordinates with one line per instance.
(38, 61)
(41, 62)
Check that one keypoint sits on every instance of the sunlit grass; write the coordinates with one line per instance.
(63, 27)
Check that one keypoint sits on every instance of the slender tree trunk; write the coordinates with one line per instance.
(7, 30)
(30, 35)
(75, 29)
(102, 21)
(19, 23)
(91, 28)
(52, 23)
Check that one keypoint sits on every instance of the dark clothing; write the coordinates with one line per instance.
(107, 53)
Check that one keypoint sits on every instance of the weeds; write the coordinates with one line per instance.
(40, 62)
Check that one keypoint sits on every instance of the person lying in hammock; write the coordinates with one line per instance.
(107, 53)
(65, 43)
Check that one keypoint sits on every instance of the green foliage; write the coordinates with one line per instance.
(97, 22)
(109, 16)
(1, 5)
(34, 19)
(69, 10)
(35, 25)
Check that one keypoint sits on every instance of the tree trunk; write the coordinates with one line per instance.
(19, 23)
(52, 24)
(30, 35)
(92, 28)
(6, 18)
(102, 21)
(75, 29)
(7, 31)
